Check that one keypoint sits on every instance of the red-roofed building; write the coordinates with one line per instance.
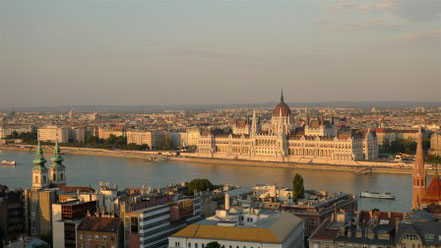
(100, 232)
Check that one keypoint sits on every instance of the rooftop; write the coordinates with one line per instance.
(100, 224)
(270, 227)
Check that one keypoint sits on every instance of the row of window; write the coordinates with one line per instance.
(97, 237)
(178, 244)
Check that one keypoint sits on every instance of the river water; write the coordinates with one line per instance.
(127, 172)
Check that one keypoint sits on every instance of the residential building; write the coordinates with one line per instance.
(53, 133)
(12, 215)
(435, 144)
(104, 133)
(378, 229)
(103, 232)
(154, 139)
(66, 217)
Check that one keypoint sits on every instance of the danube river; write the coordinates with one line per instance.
(90, 170)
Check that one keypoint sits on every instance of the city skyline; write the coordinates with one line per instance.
(220, 52)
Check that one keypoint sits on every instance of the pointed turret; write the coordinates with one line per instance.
(419, 174)
(57, 159)
(57, 170)
(39, 160)
(254, 124)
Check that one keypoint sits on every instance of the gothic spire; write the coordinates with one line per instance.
(418, 168)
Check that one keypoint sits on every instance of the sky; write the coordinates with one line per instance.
(171, 52)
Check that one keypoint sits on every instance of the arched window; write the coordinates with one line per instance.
(44, 179)
(54, 177)
(36, 179)
(61, 177)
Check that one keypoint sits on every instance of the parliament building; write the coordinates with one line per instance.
(285, 141)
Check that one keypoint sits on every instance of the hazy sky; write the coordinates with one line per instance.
(211, 51)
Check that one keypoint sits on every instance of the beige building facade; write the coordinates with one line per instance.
(53, 133)
(154, 139)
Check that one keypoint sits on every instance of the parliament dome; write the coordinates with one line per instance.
(281, 107)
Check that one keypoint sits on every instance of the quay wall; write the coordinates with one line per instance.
(353, 166)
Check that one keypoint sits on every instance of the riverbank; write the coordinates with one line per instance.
(154, 155)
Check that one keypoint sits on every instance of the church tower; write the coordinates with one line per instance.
(39, 172)
(57, 169)
(419, 175)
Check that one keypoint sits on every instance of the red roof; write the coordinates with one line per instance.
(100, 224)
(433, 192)
(74, 189)
(281, 108)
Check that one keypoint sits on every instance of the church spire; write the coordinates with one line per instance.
(281, 96)
(418, 168)
(39, 160)
(57, 159)
(419, 174)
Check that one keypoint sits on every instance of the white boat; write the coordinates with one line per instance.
(8, 163)
(377, 195)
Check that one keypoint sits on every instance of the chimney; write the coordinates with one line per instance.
(227, 201)
(389, 214)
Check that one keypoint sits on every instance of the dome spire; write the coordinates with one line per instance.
(57, 158)
(281, 96)
(39, 160)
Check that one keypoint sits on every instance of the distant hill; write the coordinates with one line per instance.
(206, 107)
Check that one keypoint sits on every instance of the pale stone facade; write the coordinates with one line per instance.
(281, 143)
(154, 139)
(53, 134)
(435, 144)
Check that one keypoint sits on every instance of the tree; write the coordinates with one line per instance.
(433, 159)
(198, 185)
(297, 187)
(213, 244)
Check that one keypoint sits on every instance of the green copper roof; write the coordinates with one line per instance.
(39, 160)
(57, 159)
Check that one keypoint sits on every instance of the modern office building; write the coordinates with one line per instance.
(149, 223)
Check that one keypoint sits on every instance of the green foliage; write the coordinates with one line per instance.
(198, 185)
(28, 137)
(406, 145)
(297, 187)
(433, 159)
(113, 142)
(213, 244)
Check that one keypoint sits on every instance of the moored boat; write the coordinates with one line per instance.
(377, 195)
(8, 163)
